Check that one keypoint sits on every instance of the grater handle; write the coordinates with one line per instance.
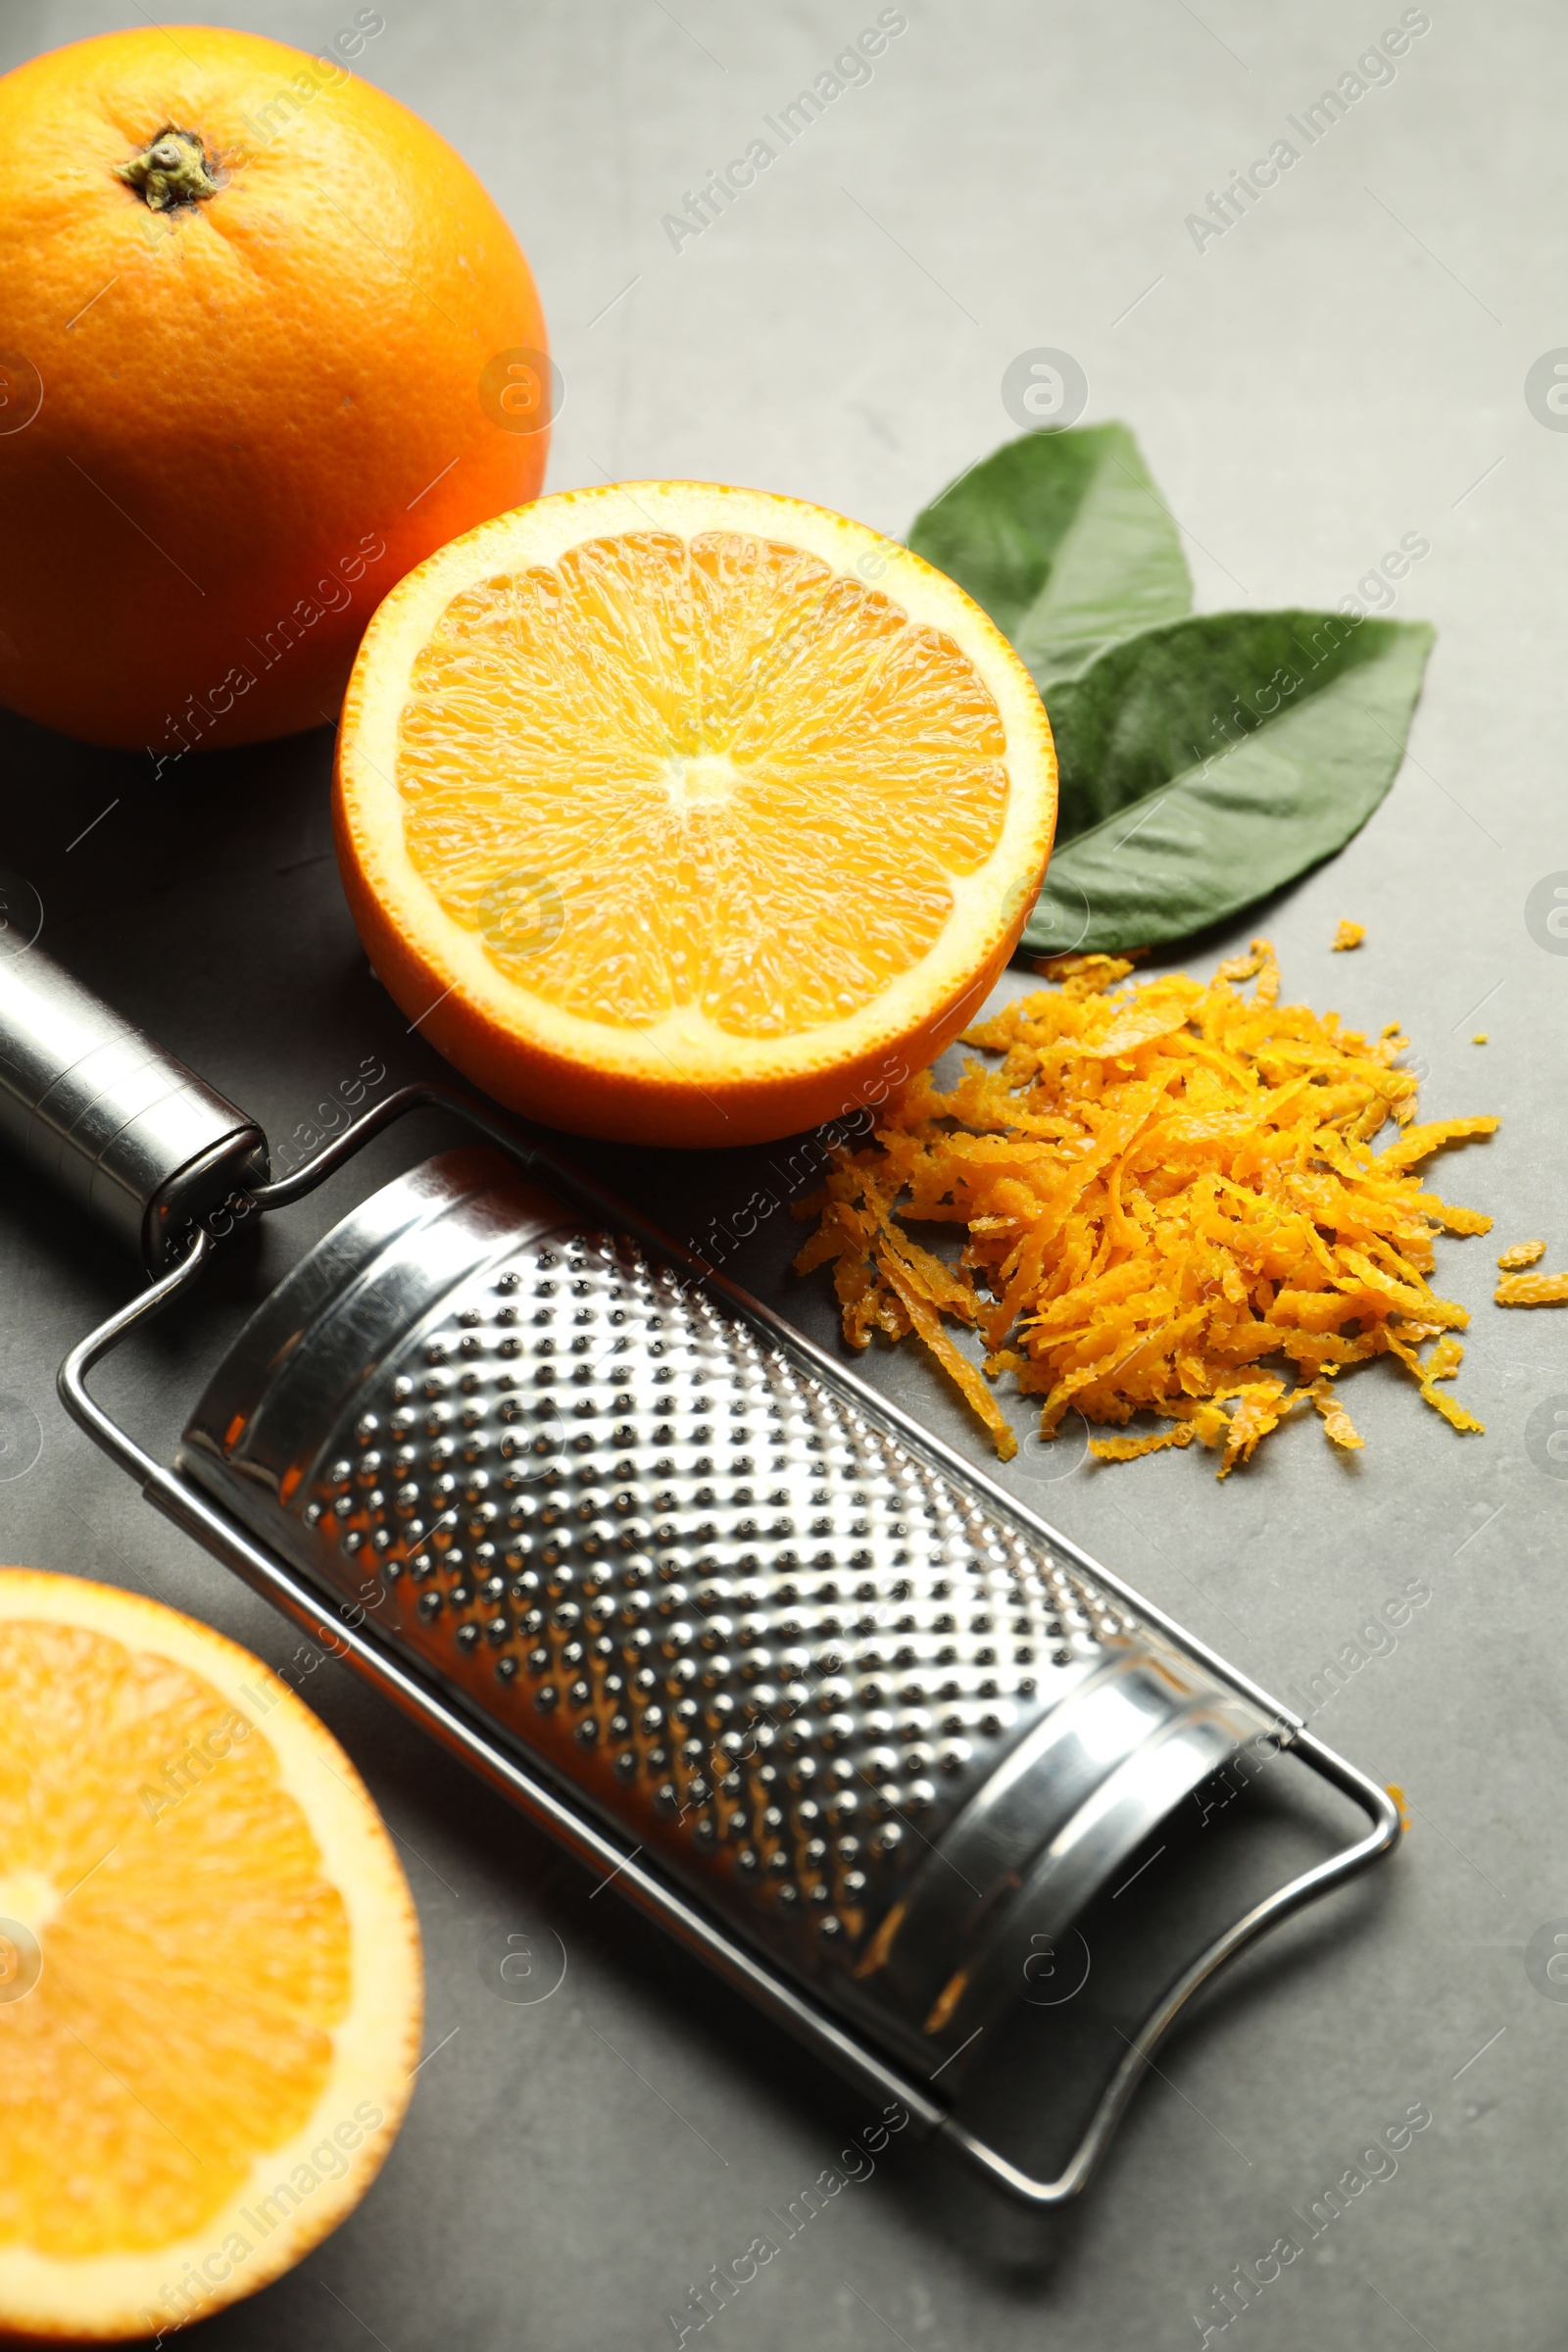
(112, 1120)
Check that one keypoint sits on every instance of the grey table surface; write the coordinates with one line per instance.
(1344, 367)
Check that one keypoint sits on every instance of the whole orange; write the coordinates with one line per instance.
(264, 343)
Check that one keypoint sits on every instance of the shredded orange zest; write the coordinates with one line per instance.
(1532, 1289)
(1128, 1450)
(1162, 1187)
(1437, 1367)
(1520, 1254)
(1348, 934)
(1087, 975)
(1336, 1422)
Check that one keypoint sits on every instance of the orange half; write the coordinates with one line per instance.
(685, 814)
(211, 1991)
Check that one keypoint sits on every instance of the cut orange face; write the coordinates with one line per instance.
(211, 1991)
(686, 815)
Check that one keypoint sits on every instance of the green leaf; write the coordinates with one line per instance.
(1062, 539)
(1208, 764)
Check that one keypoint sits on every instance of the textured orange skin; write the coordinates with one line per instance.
(241, 398)
(625, 1108)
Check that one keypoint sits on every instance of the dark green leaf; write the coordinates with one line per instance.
(1209, 763)
(1062, 538)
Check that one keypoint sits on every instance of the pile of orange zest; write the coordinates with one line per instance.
(1163, 1188)
(1348, 934)
(1520, 1254)
(1532, 1289)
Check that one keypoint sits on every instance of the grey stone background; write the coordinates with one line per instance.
(1347, 366)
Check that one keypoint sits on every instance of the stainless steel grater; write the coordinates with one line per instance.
(825, 1701)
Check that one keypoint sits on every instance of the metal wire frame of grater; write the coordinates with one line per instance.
(803, 1645)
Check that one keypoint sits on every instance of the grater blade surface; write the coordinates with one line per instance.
(879, 1724)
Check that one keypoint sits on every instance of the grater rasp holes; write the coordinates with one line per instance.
(659, 1540)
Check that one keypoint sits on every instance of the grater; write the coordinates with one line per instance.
(829, 1704)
